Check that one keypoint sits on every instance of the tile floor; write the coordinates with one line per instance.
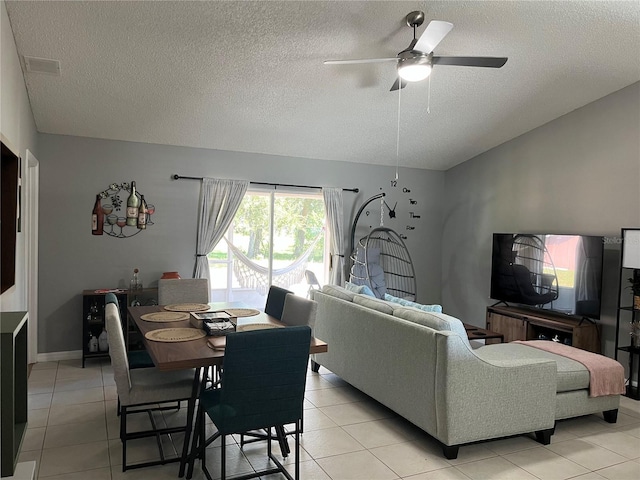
(73, 435)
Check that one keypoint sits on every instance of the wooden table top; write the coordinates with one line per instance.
(195, 353)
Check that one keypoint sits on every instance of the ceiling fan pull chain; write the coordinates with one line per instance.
(382, 211)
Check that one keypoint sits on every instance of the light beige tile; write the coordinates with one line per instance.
(450, 473)
(74, 397)
(586, 454)
(158, 472)
(82, 413)
(75, 434)
(39, 400)
(471, 453)
(77, 383)
(42, 376)
(325, 397)
(236, 462)
(140, 450)
(619, 442)
(67, 371)
(44, 366)
(314, 419)
(629, 406)
(545, 464)
(75, 458)
(356, 466)
(622, 420)
(410, 458)
(35, 388)
(496, 468)
(622, 471)
(95, 474)
(329, 441)
(512, 444)
(37, 418)
(375, 434)
(633, 430)
(110, 393)
(356, 412)
(588, 476)
(580, 426)
(316, 382)
(33, 439)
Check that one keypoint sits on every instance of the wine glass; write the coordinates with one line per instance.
(112, 220)
(121, 222)
(107, 209)
(150, 211)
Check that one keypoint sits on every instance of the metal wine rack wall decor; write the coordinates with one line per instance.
(121, 211)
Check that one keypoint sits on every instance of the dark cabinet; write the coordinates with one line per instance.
(93, 321)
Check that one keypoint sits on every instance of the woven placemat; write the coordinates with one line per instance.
(174, 334)
(187, 307)
(242, 312)
(165, 316)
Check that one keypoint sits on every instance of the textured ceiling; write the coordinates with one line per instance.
(248, 76)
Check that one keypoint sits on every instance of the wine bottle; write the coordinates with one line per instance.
(97, 218)
(142, 213)
(133, 202)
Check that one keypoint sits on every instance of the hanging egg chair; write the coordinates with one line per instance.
(382, 262)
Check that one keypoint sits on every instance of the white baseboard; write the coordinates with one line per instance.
(57, 356)
(24, 471)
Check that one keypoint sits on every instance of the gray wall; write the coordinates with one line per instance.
(577, 174)
(74, 169)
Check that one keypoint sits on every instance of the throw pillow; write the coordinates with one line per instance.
(363, 289)
(407, 303)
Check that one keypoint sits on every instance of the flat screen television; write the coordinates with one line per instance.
(561, 273)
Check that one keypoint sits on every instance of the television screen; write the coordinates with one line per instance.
(562, 273)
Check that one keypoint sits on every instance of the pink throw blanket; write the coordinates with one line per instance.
(606, 376)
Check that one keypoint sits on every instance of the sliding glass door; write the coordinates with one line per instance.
(274, 238)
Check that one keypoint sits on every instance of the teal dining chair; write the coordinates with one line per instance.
(263, 383)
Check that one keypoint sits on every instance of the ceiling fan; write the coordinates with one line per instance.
(414, 63)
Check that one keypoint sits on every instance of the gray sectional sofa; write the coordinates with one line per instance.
(422, 366)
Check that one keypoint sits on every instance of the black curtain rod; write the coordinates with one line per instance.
(354, 190)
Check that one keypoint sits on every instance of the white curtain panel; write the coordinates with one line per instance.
(219, 202)
(334, 211)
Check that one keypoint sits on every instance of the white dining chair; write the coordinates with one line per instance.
(141, 390)
(183, 290)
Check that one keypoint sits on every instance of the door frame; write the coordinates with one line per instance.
(32, 193)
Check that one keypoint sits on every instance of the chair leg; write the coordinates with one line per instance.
(123, 436)
(298, 430)
(223, 460)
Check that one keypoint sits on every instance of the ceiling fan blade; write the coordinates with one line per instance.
(491, 62)
(364, 60)
(432, 35)
(398, 85)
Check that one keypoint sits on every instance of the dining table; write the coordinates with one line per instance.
(195, 354)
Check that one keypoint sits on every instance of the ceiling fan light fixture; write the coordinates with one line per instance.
(414, 68)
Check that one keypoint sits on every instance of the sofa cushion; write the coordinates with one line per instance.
(364, 289)
(338, 292)
(437, 321)
(572, 375)
(373, 303)
(407, 303)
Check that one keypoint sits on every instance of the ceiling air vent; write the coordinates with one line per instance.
(42, 65)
